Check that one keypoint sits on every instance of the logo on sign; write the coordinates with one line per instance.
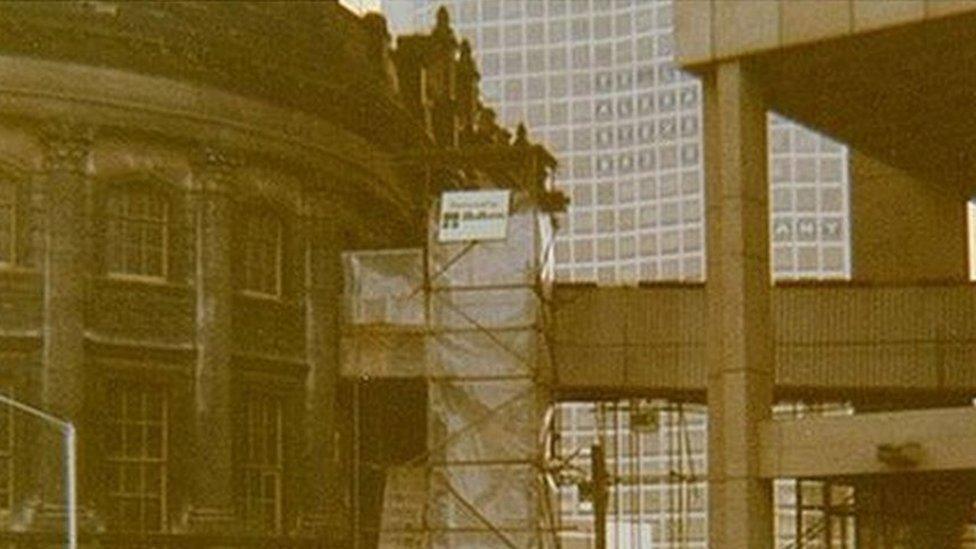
(473, 215)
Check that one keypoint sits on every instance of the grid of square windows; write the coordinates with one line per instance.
(809, 223)
(596, 81)
(657, 452)
(657, 457)
(8, 220)
(584, 68)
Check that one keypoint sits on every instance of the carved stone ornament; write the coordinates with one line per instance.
(215, 169)
(67, 146)
(319, 204)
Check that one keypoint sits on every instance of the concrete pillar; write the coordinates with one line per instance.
(67, 151)
(212, 501)
(739, 343)
(322, 510)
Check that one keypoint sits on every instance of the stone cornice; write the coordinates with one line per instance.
(36, 90)
(225, 46)
(46, 90)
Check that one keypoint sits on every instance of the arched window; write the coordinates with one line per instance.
(262, 252)
(8, 222)
(138, 232)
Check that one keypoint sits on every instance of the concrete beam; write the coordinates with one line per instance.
(837, 341)
(849, 445)
(712, 31)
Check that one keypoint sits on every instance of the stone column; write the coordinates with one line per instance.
(739, 343)
(322, 511)
(212, 494)
(67, 153)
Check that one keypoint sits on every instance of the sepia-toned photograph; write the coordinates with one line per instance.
(479, 274)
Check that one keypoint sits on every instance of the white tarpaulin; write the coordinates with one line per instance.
(383, 332)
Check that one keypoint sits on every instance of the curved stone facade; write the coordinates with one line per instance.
(177, 181)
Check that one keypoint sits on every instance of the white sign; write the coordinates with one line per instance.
(473, 215)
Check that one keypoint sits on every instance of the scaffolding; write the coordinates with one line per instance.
(466, 319)
(654, 453)
(656, 479)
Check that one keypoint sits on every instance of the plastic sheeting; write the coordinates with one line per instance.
(384, 314)
(474, 331)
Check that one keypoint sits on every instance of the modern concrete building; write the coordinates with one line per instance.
(596, 81)
(889, 79)
(896, 340)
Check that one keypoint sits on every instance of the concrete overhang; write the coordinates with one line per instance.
(904, 94)
(709, 31)
(931, 440)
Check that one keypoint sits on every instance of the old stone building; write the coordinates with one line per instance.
(177, 181)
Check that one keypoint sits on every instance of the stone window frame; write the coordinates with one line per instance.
(249, 235)
(259, 466)
(122, 462)
(126, 189)
(9, 203)
(8, 447)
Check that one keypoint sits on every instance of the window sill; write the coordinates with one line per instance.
(246, 297)
(14, 269)
(133, 282)
(134, 278)
(261, 296)
(20, 277)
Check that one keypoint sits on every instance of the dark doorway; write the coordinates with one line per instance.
(389, 429)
